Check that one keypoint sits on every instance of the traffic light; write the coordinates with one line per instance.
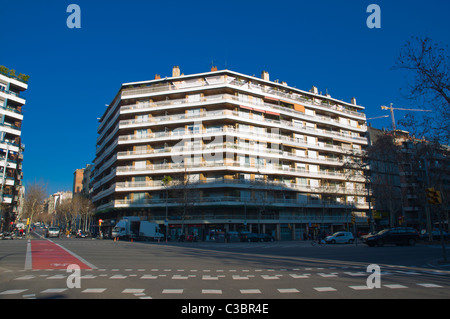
(433, 196)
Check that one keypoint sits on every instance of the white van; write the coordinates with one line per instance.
(340, 237)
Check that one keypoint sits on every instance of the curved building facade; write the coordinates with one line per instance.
(224, 151)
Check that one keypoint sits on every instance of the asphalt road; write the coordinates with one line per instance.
(37, 269)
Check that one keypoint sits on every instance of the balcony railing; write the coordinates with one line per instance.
(268, 137)
(229, 164)
(333, 105)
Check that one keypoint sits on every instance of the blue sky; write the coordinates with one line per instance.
(75, 72)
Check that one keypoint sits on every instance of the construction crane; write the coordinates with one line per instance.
(400, 109)
(378, 117)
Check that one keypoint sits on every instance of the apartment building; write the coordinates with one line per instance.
(224, 151)
(11, 147)
(81, 180)
(402, 167)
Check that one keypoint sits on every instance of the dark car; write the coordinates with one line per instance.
(266, 237)
(249, 237)
(397, 236)
(436, 235)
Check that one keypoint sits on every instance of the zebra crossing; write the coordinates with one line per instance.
(162, 282)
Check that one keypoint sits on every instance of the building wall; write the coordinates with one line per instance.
(232, 145)
(11, 147)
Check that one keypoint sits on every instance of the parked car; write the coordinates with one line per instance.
(7, 235)
(436, 235)
(82, 234)
(250, 237)
(340, 237)
(266, 237)
(52, 232)
(396, 235)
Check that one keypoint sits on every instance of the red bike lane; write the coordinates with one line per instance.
(46, 254)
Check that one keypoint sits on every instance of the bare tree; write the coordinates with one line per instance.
(35, 195)
(428, 69)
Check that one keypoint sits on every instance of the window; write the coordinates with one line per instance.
(138, 197)
(194, 129)
(194, 98)
(142, 118)
(141, 133)
(193, 112)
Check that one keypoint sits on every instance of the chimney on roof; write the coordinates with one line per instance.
(265, 75)
(157, 76)
(353, 101)
(176, 71)
(314, 90)
(213, 68)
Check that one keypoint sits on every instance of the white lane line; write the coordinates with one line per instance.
(212, 291)
(28, 257)
(57, 277)
(27, 277)
(133, 291)
(172, 291)
(53, 290)
(430, 285)
(13, 291)
(324, 289)
(395, 286)
(250, 291)
(94, 290)
(288, 290)
(360, 287)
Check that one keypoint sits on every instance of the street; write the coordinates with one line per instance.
(36, 268)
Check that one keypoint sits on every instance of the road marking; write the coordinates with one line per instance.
(333, 274)
(268, 277)
(118, 277)
(288, 290)
(209, 277)
(13, 291)
(53, 290)
(149, 277)
(250, 291)
(430, 285)
(395, 286)
(28, 257)
(324, 289)
(355, 274)
(57, 277)
(212, 291)
(360, 287)
(94, 290)
(179, 277)
(239, 277)
(133, 291)
(172, 291)
(25, 277)
(295, 276)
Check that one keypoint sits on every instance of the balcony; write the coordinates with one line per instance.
(333, 106)
(209, 133)
(234, 166)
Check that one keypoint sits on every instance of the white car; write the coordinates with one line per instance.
(340, 237)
